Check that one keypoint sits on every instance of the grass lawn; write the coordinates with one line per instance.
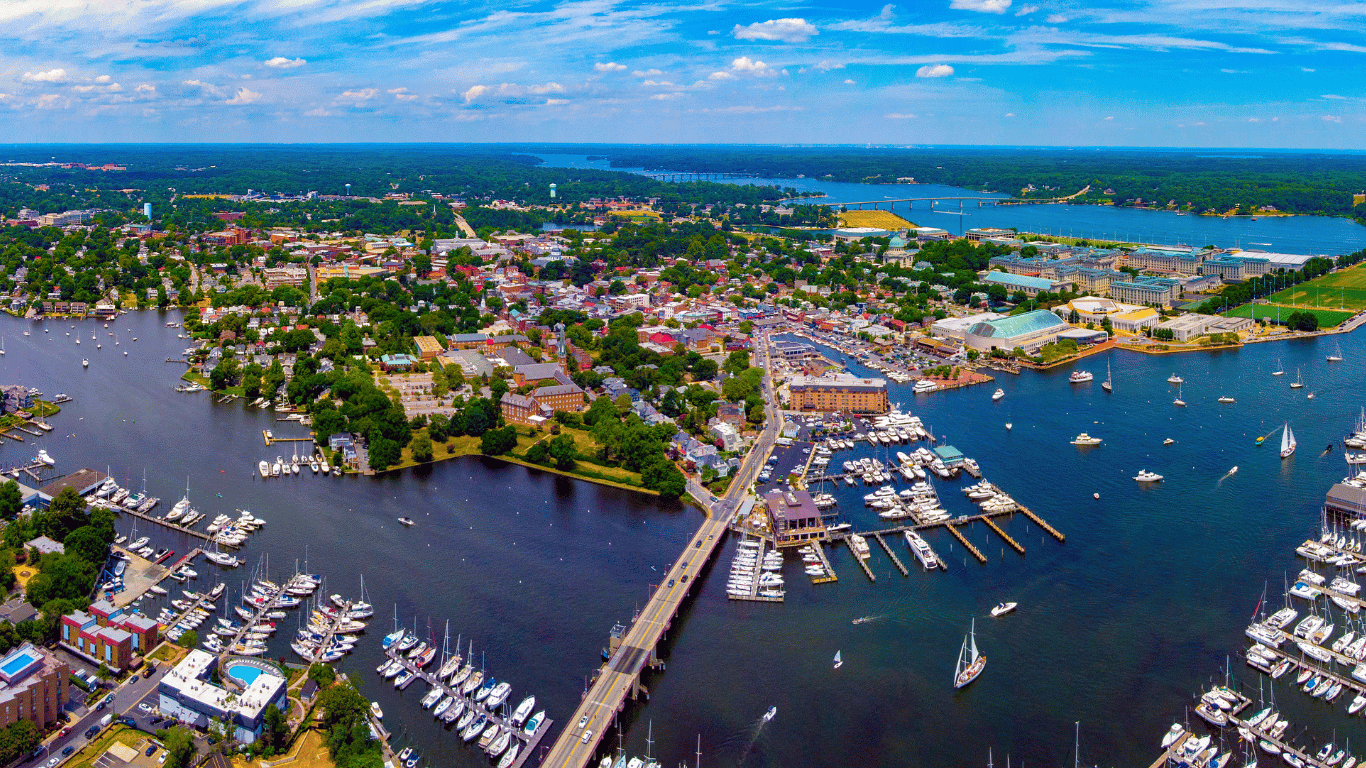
(1327, 317)
(167, 652)
(1345, 289)
(120, 733)
(23, 573)
(469, 446)
(880, 219)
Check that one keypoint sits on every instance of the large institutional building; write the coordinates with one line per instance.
(838, 393)
(32, 687)
(188, 696)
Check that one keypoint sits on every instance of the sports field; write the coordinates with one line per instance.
(1345, 289)
(1327, 317)
(880, 219)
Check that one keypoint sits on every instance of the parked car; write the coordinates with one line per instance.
(68, 749)
(91, 731)
(151, 750)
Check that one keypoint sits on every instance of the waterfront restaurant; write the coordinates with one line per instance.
(793, 518)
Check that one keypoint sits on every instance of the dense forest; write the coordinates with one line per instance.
(1295, 183)
(158, 174)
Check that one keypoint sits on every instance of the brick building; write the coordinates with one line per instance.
(109, 635)
(33, 687)
(521, 409)
(560, 397)
(845, 393)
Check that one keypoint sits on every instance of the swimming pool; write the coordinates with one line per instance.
(245, 671)
(17, 662)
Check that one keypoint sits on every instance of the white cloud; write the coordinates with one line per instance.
(555, 102)
(1332, 96)
(1254, 119)
(1234, 71)
(318, 112)
(969, 79)
(1056, 18)
(647, 72)
(402, 94)
(934, 70)
(280, 62)
(514, 89)
(753, 66)
(900, 116)
(785, 30)
(50, 101)
(103, 79)
(1111, 117)
(1025, 10)
(1331, 119)
(848, 82)
(982, 6)
(667, 96)
(475, 92)
(826, 65)
(1306, 69)
(50, 76)
(722, 75)
(1348, 47)
(1010, 114)
(358, 95)
(244, 96)
(609, 66)
(147, 88)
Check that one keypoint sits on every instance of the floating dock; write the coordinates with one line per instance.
(966, 544)
(862, 562)
(166, 524)
(830, 576)
(1039, 521)
(1015, 545)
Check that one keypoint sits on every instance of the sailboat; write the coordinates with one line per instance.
(1297, 383)
(1280, 371)
(1287, 442)
(1178, 400)
(1336, 357)
(970, 664)
(1107, 385)
(838, 661)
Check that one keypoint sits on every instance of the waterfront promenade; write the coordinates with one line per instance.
(620, 676)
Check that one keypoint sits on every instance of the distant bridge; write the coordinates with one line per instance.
(684, 177)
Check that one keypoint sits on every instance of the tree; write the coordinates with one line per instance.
(661, 475)
(67, 511)
(179, 744)
(17, 740)
(384, 453)
(275, 734)
(497, 442)
(563, 449)
(736, 362)
(421, 447)
(601, 408)
(11, 501)
(188, 639)
(322, 674)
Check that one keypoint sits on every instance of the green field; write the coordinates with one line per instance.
(1345, 289)
(1327, 317)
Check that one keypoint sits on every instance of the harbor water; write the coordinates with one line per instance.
(1117, 628)
(1286, 234)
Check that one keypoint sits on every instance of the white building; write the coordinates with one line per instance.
(188, 697)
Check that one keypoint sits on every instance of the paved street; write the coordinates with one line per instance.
(126, 699)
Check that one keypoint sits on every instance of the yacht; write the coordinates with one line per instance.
(921, 549)
(1085, 439)
(1174, 379)
(1168, 441)
(1226, 399)
(85, 363)
(1144, 476)
(1079, 377)
(1298, 382)
(998, 394)
(1178, 401)
(1108, 384)
(1287, 442)
(263, 468)
(44, 458)
(1280, 371)
(923, 386)
(1336, 357)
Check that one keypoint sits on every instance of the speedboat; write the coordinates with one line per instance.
(998, 394)
(1080, 377)
(1144, 476)
(263, 468)
(44, 458)
(1172, 735)
(1174, 379)
(1002, 609)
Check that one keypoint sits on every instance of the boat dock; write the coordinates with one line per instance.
(271, 439)
(862, 562)
(12, 437)
(529, 743)
(33, 432)
(967, 544)
(1015, 545)
(895, 560)
(1039, 521)
(830, 576)
(166, 523)
(1169, 754)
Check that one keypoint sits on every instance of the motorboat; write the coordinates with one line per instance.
(1002, 609)
(998, 394)
(1085, 439)
(263, 468)
(1144, 476)
(1174, 379)
(1080, 377)
(44, 458)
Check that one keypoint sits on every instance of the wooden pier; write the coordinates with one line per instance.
(962, 540)
(1040, 522)
(529, 743)
(1015, 545)
(166, 523)
(859, 559)
(25, 430)
(895, 560)
(1170, 753)
(12, 437)
(830, 576)
(271, 440)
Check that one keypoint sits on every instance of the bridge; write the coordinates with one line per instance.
(577, 744)
(684, 176)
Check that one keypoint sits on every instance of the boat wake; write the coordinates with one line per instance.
(867, 619)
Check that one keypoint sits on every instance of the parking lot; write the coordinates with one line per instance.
(123, 700)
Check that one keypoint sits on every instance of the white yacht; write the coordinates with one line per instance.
(263, 468)
(1174, 379)
(1080, 377)
(921, 549)
(44, 458)
(1287, 442)
(1085, 439)
(998, 394)
(1144, 476)
(970, 663)
(923, 386)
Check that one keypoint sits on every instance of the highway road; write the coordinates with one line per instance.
(578, 743)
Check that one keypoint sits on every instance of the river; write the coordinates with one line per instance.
(1117, 628)
(1286, 234)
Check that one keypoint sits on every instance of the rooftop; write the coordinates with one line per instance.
(1018, 325)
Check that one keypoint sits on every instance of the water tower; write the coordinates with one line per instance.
(552, 191)
(348, 190)
(560, 346)
(147, 210)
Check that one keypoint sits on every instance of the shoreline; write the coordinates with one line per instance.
(513, 460)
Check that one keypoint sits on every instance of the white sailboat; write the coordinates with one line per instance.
(1336, 357)
(1178, 400)
(1297, 383)
(1107, 385)
(1287, 442)
(1280, 371)
(970, 663)
(838, 661)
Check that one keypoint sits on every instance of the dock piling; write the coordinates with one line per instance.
(895, 560)
(966, 544)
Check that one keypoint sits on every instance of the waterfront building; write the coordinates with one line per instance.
(522, 409)
(427, 347)
(1029, 330)
(1146, 290)
(793, 518)
(1134, 321)
(108, 635)
(1179, 261)
(842, 392)
(955, 328)
(33, 687)
(186, 695)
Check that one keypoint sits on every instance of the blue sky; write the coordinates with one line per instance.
(1255, 73)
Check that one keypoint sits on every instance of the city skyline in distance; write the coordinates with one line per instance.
(1164, 73)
